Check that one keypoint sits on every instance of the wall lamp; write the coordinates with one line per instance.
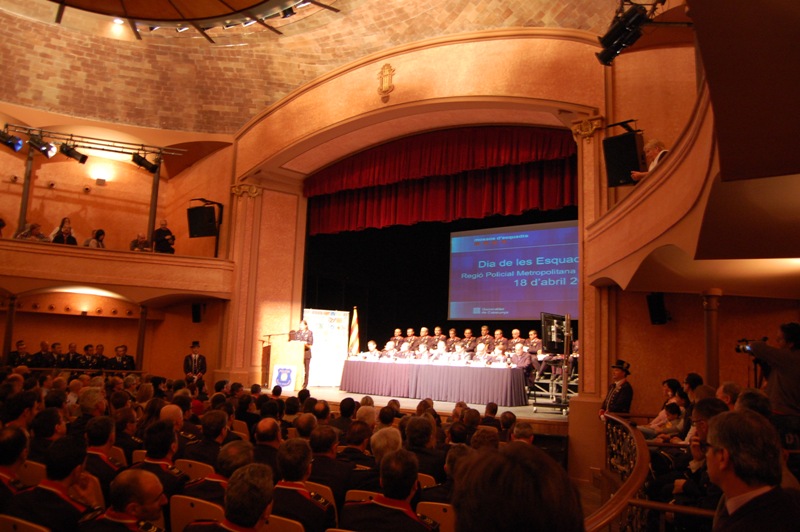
(45, 148)
(72, 153)
(13, 142)
(142, 162)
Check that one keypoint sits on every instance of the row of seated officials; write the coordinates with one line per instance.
(261, 472)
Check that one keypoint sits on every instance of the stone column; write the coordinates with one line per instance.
(267, 245)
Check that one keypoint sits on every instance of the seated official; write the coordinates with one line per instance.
(292, 499)
(13, 453)
(135, 501)
(64, 498)
(100, 437)
(248, 502)
(390, 512)
(326, 469)
(212, 488)
(215, 429)
(443, 493)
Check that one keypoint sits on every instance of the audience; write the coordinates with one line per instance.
(136, 499)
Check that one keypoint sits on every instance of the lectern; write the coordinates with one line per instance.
(286, 365)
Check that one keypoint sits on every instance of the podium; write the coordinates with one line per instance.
(286, 365)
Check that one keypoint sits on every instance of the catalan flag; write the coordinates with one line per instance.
(354, 347)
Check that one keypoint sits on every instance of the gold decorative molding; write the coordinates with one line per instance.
(385, 85)
(249, 190)
(585, 128)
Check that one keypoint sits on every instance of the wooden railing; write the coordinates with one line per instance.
(626, 469)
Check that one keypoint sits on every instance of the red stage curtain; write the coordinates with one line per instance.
(508, 190)
(445, 152)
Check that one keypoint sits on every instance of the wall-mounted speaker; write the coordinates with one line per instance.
(657, 309)
(197, 313)
(624, 154)
(202, 221)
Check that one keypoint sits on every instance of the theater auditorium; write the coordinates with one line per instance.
(320, 157)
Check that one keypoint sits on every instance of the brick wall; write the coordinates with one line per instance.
(189, 84)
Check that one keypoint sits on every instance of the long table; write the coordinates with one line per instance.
(476, 385)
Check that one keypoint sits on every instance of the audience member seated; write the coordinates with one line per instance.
(206, 449)
(498, 490)
(13, 453)
(485, 439)
(523, 432)
(443, 492)
(135, 502)
(326, 469)
(390, 512)
(507, 420)
(47, 426)
(248, 502)
(100, 439)
(347, 408)
(211, 488)
(125, 430)
(490, 416)
(292, 499)
(268, 440)
(356, 441)
(140, 243)
(420, 441)
(64, 498)
(743, 456)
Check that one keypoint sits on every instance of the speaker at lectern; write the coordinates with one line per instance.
(286, 364)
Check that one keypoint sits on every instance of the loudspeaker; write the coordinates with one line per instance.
(624, 154)
(197, 313)
(658, 312)
(202, 221)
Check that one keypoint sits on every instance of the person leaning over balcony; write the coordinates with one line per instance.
(654, 153)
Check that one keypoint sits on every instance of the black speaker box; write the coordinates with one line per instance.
(624, 154)
(202, 221)
(197, 313)
(658, 312)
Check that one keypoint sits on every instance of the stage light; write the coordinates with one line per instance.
(14, 143)
(624, 31)
(288, 12)
(71, 152)
(142, 161)
(45, 148)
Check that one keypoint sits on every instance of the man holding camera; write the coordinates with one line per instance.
(783, 382)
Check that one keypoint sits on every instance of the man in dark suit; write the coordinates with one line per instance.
(391, 511)
(194, 364)
(620, 392)
(419, 434)
(268, 440)
(121, 360)
(291, 498)
(326, 469)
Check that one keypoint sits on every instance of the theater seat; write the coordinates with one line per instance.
(32, 473)
(441, 513)
(193, 468)
(8, 523)
(359, 495)
(184, 510)
(281, 524)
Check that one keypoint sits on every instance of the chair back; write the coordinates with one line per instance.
(32, 473)
(183, 510)
(243, 435)
(119, 455)
(240, 426)
(441, 513)
(138, 456)
(193, 468)
(359, 495)
(291, 432)
(15, 524)
(282, 524)
(426, 481)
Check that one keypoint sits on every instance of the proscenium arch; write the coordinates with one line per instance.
(514, 77)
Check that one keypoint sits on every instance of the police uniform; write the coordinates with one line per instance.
(413, 342)
(124, 363)
(103, 467)
(488, 341)
(10, 485)
(293, 501)
(382, 514)
(128, 444)
(450, 343)
(470, 344)
(203, 450)
(113, 521)
(397, 341)
(49, 505)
